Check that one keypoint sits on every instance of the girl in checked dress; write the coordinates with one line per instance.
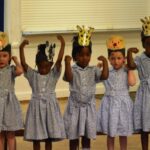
(43, 120)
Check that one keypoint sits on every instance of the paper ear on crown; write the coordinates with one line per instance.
(84, 35)
(146, 26)
(115, 42)
(3, 40)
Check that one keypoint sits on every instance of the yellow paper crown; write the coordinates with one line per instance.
(115, 42)
(84, 36)
(3, 40)
(146, 26)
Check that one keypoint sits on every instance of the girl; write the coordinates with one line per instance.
(115, 112)
(10, 111)
(80, 115)
(43, 120)
(142, 101)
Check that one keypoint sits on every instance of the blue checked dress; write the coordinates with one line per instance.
(43, 119)
(142, 101)
(80, 114)
(115, 115)
(10, 111)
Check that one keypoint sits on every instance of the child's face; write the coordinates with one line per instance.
(117, 60)
(44, 67)
(147, 46)
(83, 58)
(4, 59)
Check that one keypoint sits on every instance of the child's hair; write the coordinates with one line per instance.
(77, 48)
(41, 56)
(119, 50)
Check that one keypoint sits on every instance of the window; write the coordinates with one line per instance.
(39, 16)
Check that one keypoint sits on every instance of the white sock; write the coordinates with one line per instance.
(85, 148)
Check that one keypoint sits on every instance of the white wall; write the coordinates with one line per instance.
(12, 26)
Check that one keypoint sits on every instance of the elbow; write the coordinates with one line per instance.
(133, 83)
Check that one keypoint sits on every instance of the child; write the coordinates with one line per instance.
(142, 101)
(115, 112)
(43, 120)
(10, 111)
(80, 115)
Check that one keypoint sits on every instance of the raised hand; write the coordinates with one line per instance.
(24, 42)
(102, 58)
(68, 58)
(133, 50)
(61, 39)
(14, 58)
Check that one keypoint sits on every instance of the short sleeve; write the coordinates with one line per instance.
(137, 60)
(13, 70)
(56, 74)
(29, 75)
(98, 73)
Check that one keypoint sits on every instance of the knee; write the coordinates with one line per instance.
(10, 135)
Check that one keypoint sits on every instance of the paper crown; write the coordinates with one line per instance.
(115, 42)
(45, 52)
(3, 40)
(146, 26)
(84, 35)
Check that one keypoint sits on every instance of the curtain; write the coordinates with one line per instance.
(1, 15)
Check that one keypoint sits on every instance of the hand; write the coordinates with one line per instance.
(14, 58)
(60, 38)
(133, 50)
(100, 65)
(102, 58)
(67, 58)
(24, 42)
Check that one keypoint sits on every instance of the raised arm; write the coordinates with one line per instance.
(131, 78)
(22, 57)
(19, 69)
(130, 61)
(61, 52)
(68, 71)
(105, 72)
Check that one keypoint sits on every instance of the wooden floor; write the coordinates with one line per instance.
(98, 144)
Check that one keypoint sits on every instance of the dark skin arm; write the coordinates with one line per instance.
(105, 72)
(61, 52)
(68, 71)
(130, 61)
(22, 57)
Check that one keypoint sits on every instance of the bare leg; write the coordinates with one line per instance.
(110, 143)
(74, 144)
(85, 143)
(48, 145)
(36, 145)
(10, 135)
(123, 142)
(2, 137)
(144, 140)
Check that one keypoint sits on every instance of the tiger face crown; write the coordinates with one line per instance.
(3, 40)
(84, 35)
(146, 26)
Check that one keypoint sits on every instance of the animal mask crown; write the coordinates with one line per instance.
(3, 40)
(84, 35)
(45, 52)
(115, 42)
(146, 26)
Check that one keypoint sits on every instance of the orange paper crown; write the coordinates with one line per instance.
(115, 42)
(3, 40)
